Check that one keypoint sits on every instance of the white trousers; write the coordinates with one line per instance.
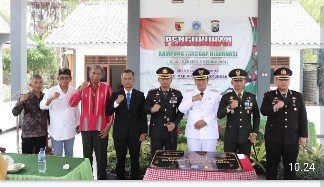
(202, 145)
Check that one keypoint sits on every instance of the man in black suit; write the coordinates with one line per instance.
(130, 124)
(286, 126)
(162, 103)
(239, 106)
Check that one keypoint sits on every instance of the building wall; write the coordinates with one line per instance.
(295, 66)
(80, 54)
(201, 8)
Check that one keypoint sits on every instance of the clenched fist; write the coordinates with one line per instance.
(119, 99)
(197, 97)
(234, 104)
(279, 105)
(24, 97)
(83, 86)
(155, 108)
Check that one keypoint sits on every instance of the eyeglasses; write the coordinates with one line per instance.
(64, 78)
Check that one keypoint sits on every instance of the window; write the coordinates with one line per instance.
(278, 62)
(113, 66)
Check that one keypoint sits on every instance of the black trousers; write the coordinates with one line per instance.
(133, 146)
(28, 144)
(240, 148)
(91, 141)
(162, 144)
(276, 151)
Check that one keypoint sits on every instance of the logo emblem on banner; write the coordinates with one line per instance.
(178, 26)
(214, 25)
(196, 25)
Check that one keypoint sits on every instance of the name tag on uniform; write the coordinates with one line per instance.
(173, 99)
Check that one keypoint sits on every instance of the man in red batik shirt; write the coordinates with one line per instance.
(94, 124)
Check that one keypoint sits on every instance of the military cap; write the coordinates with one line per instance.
(164, 72)
(200, 73)
(282, 73)
(238, 74)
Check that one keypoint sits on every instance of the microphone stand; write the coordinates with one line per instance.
(17, 120)
(170, 133)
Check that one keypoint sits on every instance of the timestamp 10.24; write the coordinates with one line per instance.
(302, 167)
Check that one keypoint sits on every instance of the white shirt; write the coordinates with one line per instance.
(206, 110)
(63, 117)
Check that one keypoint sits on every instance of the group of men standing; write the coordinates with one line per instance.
(127, 110)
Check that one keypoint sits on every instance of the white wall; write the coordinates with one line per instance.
(197, 8)
(80, 53)
(314, 115)
(295, 66)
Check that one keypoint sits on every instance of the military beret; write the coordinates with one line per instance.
(238, 74)
(282, 73)
(200, 73)
(164, 72)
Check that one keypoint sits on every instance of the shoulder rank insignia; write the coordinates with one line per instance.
(173, 89)
(153, 89)
(213, 90)
(190, 90)
(269, 91)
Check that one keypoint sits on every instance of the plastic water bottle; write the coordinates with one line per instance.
(41, 161)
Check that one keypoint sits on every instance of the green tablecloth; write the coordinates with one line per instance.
(80, 168)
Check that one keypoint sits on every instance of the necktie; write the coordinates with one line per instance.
(284, 95)
(240, 96)
(165, 93)
(128, 99)
(202, 94)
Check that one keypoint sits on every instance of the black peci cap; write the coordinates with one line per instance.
(164, 72)
(200, 73)
(64, 71)
(282, 73)
(238, 74)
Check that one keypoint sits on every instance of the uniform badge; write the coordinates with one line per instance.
(275, 100)
(173, 99)
(247, 106)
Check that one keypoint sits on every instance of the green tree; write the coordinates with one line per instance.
(313, 7)
(40, 61)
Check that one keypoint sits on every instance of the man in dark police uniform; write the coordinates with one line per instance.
(286, 126)
(162, 103)
(239, 106)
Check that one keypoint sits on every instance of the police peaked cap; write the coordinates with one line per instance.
(238, 74)
(164, 72)
(200, 73)
(282, 73)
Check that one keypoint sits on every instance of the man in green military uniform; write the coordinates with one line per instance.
(240, 107)
(162, 103)
(286, 126)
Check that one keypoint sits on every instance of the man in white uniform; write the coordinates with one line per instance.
(201, 105)
(64, 119)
